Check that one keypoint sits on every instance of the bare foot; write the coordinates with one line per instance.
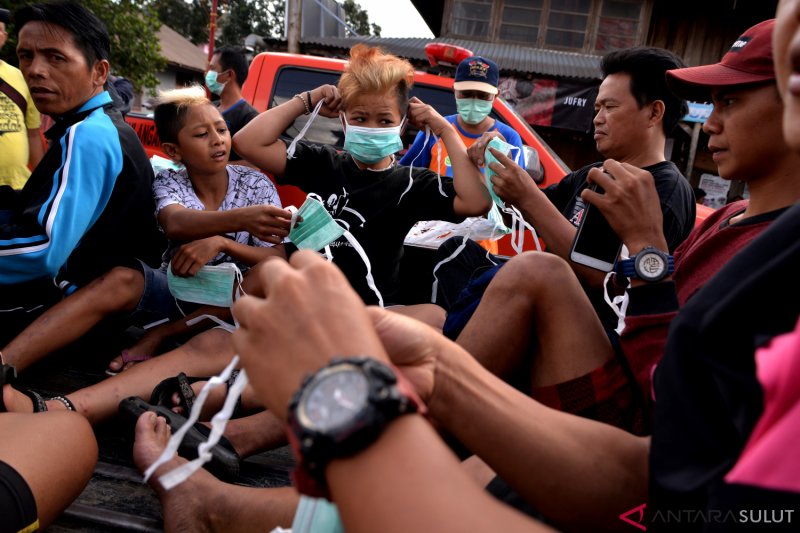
(15, 401)
(183, 507)
(146, 347)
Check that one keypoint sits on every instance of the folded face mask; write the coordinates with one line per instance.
(317, 228)
(212, 285)
(503, 147)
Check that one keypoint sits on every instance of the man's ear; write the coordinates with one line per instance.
(172, 150)
(100, 71)
(657, 109)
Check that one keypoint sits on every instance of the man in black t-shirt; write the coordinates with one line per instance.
(634, 113)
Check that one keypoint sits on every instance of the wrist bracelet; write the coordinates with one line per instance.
(308, 97)
(305, 103)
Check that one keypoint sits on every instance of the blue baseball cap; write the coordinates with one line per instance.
(477, 74)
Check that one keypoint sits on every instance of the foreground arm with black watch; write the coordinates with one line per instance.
(406, 479)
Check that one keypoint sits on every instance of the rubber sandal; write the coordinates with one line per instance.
(182, 385)
(8, 375)
(127, 357)
(224, 461)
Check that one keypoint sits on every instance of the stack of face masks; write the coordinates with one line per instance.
(212, 285)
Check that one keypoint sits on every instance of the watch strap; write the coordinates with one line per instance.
(627, 267)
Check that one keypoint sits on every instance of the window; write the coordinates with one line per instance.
(567, 23)
(618, 25)
(472, 17)
(295, 80)
(520, 21)
(577, 25)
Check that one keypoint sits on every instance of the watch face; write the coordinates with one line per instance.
(334, 400)
(651, 266)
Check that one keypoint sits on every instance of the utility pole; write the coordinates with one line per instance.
(211, 30)
(293, 21)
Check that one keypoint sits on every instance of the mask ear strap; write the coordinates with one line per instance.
(293, 144)
(411, 166)
(435, 286)
(360, 251)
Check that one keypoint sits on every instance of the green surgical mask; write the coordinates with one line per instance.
(473, 110)
(317, 228)
(501, 146)
(212, 285)
(211, 82)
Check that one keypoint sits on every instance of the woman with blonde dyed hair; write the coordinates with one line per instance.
(363, 187)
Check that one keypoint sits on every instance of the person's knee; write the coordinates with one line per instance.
(124, 285)
(75, 434)
(531, 273)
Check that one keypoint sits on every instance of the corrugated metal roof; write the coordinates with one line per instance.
(510, 57)
(178, 50)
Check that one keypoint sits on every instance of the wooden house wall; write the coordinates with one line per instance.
(702, 31)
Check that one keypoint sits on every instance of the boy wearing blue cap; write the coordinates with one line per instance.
(475, 89)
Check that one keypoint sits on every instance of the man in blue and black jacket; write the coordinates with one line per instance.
(88, 206)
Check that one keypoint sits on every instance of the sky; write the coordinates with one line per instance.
(397, 18)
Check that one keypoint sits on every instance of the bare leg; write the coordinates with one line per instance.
(536, 308)
(202, 503)
(54, 452)
(206, 354)
(116, 291)
(150, 342)
(431, 314)
(256, 433)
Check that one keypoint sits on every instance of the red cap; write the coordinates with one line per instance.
(748, 61)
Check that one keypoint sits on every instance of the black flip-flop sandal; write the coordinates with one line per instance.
(224, 461)
(182, 385)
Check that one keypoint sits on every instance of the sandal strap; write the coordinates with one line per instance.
(66, 401)
(237, 409)
(39, 405)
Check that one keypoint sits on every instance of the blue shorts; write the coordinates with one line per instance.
(157, 303)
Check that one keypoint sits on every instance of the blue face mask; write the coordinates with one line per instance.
(501, 146)
(211, 82)
(370, 145)
(473, 110)
(212, 285)
(317, 228)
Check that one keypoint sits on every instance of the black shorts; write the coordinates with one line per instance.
(17, 506)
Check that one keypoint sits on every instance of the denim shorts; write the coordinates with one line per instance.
(157, 303)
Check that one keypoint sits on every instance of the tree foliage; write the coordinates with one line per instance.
(135, 50)
(358, 19)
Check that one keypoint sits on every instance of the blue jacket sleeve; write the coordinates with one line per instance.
(419, 153)
(91, 160)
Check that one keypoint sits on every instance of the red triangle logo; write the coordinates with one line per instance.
(625, 517)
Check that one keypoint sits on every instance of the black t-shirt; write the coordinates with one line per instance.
(236, 117)
(677, 200)
(708, 398)
(351, 194)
